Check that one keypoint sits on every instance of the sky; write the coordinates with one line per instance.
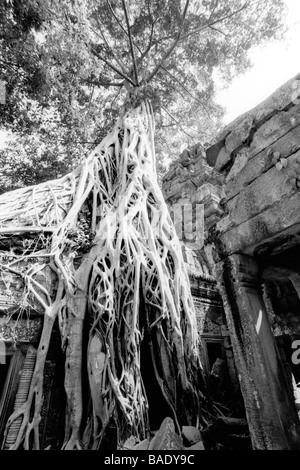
(273, 64)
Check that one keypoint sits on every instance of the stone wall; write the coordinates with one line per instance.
(248, 181)
(254, 253)
(258, 156)
(191, 182)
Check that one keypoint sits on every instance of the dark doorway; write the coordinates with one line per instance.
(214, 351)
(158, 408)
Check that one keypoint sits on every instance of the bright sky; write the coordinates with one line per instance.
(272, 65)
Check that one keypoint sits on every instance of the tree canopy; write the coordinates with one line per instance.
(68, 67)
(98, 256)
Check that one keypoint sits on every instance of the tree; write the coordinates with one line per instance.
(97, 247)
(123, 274)
(73, 45)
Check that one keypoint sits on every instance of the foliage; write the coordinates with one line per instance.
(68, 67)
(97, 248)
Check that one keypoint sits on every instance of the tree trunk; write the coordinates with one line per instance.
(106, 232)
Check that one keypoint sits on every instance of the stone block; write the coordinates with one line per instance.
(130, 443)
(274, 129)
(166, 437)
(213, 151)
(239, 134)
(143, 445)
(262, 162)
(223, 158)
(191, 434)
(198, 446)
(240, 162)
(236, 132)
(240, 129)
(280, 220)
(263, 192)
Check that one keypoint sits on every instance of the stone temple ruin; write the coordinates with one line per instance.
(244, 272)
(248, 183)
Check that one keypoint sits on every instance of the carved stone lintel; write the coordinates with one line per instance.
(26, 331)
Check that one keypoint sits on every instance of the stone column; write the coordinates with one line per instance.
(230, 359)
(269, 402)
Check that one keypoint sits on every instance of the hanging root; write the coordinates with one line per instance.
(103, 250)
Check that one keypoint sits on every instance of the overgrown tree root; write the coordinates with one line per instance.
(98, 247)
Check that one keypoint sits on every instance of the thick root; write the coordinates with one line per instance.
(103, 250)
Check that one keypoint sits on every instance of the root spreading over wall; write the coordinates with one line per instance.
(98, 248)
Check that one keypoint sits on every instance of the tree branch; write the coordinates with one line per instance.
(209, 25)
(131, 44)
(119, 62)
(172, 47)
(115, 17)
(166, 144)
(145, 52)
(179, 82)
(213, 10)
(188, 92)
(102, 82)
(178, 123)
(179, 37)
(119, 22)
(218, 30)
(109, 64)
(117, 94)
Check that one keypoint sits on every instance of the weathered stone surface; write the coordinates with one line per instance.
(13, 287)
(206, 190)
(258, 196)
(207, 303)
(191, 434)
(198, 446)
(262, 193)
(260, 214)
(166, 437)
(187, 176)
(239, 163)
(263, 380)
(224, 157)
(219, 370)
(266, 135)
(284, 215)
(239, 134)
(286, 146)
(130, 443)
(214, 149)
(234, 425)
(26, 331)
(143, 445)
(273, 129)
(239, 131)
